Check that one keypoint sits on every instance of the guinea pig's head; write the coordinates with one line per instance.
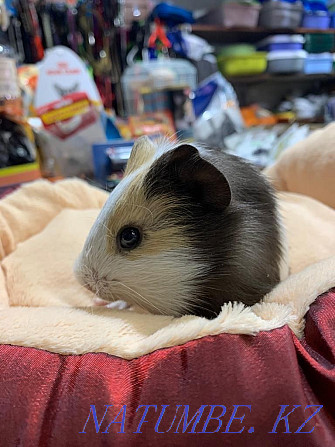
(149, 245)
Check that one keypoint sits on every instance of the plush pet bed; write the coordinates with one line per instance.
(68, 369)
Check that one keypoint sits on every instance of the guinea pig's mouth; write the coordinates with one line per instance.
(102, 288)
(105, 290)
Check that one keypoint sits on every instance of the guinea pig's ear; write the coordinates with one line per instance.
(142, 151)
(192, 174)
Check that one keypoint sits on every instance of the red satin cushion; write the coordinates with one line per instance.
(45, 398)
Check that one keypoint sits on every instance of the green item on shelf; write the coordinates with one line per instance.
(243, 65)
(319, 42)
(237, 50)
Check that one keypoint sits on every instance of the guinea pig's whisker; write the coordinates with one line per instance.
(135, 295)
(136, 300)
(139, 295)
(85, 270)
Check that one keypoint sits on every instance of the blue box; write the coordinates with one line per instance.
(110, 157)
(318, 63)
(316, 20)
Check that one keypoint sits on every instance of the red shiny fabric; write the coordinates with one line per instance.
(45, 398)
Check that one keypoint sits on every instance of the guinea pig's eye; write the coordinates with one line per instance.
(129, 238)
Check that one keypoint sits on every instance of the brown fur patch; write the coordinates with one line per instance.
(152, 217)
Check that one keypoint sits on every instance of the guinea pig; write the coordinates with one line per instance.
(185, 231)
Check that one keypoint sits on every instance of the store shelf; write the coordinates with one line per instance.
(219, 34)
(267, 77)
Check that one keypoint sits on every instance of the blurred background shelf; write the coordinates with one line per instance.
(268, 89)
(219, 34)
(266, 77)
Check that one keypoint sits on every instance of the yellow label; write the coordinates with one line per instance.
(64, 113)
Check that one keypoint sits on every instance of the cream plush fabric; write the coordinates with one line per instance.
(308, 167)
(42, 229)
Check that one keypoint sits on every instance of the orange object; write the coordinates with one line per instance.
(28, 76)
(158, 34)
(256, 116)
(156, 123)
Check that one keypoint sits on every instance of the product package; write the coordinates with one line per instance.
(110, 160)
(71, 125)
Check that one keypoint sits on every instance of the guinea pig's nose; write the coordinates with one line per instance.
(97, 283)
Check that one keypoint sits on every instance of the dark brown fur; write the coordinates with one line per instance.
(227, 212)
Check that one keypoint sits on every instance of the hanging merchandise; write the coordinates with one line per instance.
(91, 28)
(172, 15)
(10, 95)
(69, 105)
(71, 125)
(61, 73)
(217, 111)
(4, 17)
(14, 34)
(158, 42)
(165, 37)
(99, 24)
(30, 30)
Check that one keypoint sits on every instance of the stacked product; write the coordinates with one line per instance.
(294, 13)
(241, 60)
(281, 14)
(240, 13)
(316, 14)
(319, 58)
(285, 53)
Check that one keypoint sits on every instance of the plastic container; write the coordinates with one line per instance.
(240, 49)
(281, 42)
(230, 14)
(319, 43)
(277, 14)
(242, 65)
(318, 63)
(286, 61)
(153, 76)
(316, 20)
